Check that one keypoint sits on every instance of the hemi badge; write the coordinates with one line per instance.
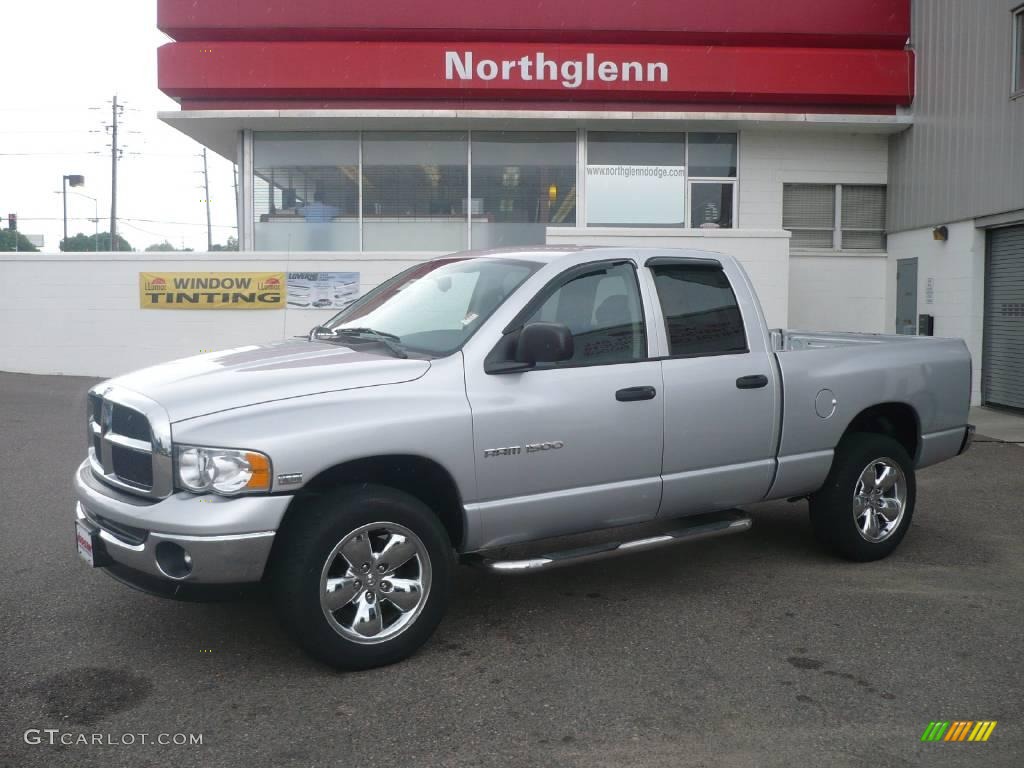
(290, 479)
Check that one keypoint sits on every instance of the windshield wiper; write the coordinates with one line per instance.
(389, 340)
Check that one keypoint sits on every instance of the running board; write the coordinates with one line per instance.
(733, 521)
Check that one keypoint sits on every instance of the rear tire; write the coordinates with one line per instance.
(863, 510)
(362, 575)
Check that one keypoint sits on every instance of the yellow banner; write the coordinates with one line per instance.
(211, 290)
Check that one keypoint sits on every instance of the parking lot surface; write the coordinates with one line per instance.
(751, 650)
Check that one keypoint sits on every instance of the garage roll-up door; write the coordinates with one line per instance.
(1002, 373)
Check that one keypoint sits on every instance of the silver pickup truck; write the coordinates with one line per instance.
(484, 400)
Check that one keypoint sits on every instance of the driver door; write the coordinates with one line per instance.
(576, 445)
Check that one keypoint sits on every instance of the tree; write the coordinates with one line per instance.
(8, 237)
(80, 243)
(231, 245)
(165, 246)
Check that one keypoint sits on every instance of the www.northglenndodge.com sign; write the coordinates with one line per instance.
(569, 73)
(211, 290)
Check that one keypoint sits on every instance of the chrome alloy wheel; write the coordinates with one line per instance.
(375, 583)
(879, 500)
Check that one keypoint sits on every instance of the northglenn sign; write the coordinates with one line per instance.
(569, 73)
(228, 73)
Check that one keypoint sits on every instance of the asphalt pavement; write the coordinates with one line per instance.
(751, 650)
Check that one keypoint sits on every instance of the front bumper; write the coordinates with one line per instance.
(227, 540)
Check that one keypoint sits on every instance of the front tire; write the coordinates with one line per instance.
(863, 510)
(362, 576)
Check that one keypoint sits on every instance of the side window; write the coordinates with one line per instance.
(701, 313)
(602, 309)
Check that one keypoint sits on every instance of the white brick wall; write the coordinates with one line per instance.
(957, 270)
(79, 314)
(827, 292)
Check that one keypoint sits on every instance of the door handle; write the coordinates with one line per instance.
(752, 382)
(630, 394)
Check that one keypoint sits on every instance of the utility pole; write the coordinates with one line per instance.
(237, 209)
(206, 196)
(113, 175)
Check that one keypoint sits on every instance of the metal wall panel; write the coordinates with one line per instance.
(1002, 375)
(964, 155)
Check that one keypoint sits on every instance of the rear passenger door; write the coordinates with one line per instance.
(720, 391)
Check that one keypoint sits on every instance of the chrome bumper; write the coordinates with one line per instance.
(227, 540)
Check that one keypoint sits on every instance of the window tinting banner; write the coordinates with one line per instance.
(322, 290)
(211, 290)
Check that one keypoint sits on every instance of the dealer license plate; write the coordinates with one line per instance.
(86, 542)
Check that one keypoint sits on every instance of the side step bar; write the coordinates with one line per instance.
(722, 524)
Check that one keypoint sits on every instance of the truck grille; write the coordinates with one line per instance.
(129, 442)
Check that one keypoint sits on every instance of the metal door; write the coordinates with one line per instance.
(1002, 371)
(906, 296)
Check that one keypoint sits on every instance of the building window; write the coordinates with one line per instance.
(414, 191)
(809, 213)
(863, 219)
(306, 191)
(521, 183)
(1018, 51)
(636, 179)
(443, 191)
(711, 156)
(661, 179)
(835, 216)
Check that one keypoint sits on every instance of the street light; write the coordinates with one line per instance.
(75, 180)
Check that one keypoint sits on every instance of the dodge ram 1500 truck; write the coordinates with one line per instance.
(483, 400)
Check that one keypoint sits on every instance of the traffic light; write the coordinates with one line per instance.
(12, 221)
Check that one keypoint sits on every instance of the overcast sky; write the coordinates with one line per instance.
(62, 61)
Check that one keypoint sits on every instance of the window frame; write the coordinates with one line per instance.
(1017, 52)
(554, 284)
(711, 265)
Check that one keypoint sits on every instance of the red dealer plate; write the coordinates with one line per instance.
(85, 541)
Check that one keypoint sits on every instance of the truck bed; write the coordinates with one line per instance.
(788, 341)
(828, 379)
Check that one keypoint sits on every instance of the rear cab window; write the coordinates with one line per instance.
(702, 316)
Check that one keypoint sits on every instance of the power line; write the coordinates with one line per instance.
(125, 218)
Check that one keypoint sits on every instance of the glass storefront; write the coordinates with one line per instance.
(414, 191)
(523, 183)
(441, 191)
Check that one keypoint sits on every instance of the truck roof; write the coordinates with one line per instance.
(551, 253)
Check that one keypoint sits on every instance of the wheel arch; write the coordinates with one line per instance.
(421, 477)
(897, 420)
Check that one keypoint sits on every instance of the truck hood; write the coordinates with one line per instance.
(259, 373)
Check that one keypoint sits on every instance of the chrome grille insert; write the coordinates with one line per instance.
(129, 442)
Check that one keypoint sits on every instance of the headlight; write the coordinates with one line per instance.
(222, 470)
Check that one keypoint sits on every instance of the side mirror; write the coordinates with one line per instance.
(321, 332)
(544, 343)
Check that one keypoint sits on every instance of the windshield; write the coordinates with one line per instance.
(433, 308)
